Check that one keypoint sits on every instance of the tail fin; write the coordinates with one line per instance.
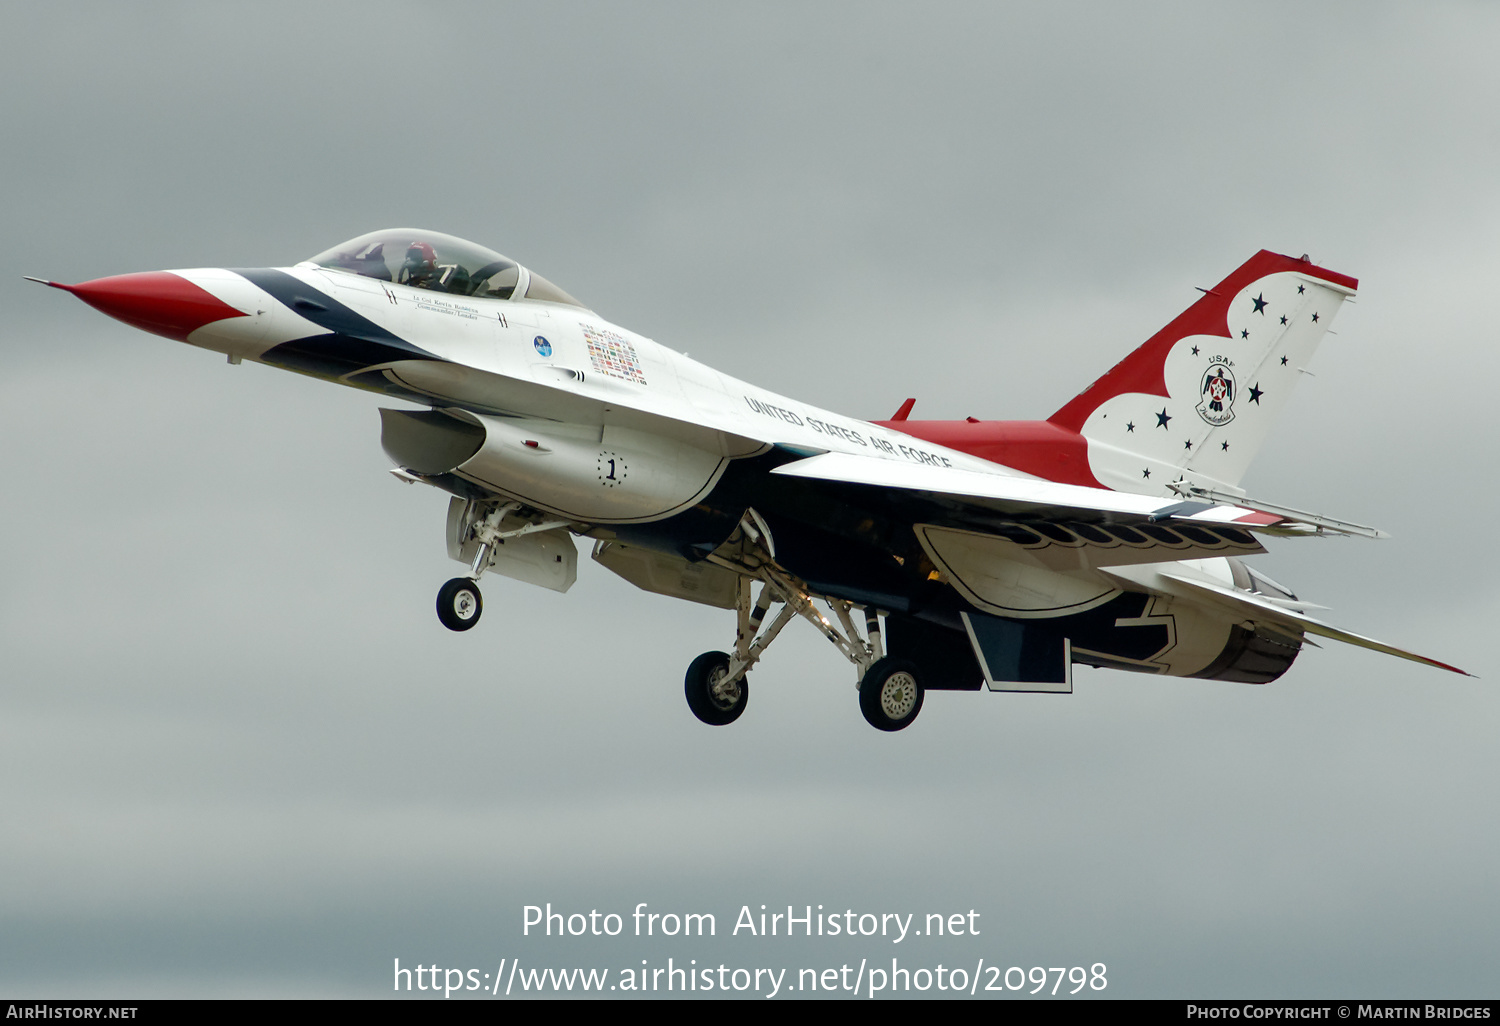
(1198, 398)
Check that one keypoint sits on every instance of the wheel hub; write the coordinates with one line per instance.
(464, 605)
(898, 695)
(725, 692)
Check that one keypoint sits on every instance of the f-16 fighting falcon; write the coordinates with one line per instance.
(934, 555)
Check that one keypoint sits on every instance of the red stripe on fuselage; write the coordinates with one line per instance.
(1034, 447)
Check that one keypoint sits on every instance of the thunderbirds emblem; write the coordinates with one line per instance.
(1217, 391)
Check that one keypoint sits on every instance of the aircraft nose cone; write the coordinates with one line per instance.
(160, 302)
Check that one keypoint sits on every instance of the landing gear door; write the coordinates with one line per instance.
(548, 559)
(1020, 657)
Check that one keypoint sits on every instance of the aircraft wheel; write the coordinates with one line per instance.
(713, 698)
(459, 604)
(890, 695)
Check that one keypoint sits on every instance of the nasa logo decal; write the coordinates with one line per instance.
(1217, 390)
(542, 345)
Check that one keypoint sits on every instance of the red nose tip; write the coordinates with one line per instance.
(156, 301)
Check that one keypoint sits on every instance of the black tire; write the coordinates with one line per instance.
(459, 604)
(716, 706)
(891, 693)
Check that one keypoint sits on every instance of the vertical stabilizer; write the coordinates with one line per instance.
(1198, 398)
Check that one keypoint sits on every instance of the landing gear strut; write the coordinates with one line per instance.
(890, 690)
(459, 603)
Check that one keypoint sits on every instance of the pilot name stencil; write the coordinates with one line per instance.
(442, 306)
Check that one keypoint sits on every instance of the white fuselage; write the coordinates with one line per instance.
(565, 379)
(498, 339)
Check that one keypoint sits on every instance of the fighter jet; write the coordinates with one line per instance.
(934, 555)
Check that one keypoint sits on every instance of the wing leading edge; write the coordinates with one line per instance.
(1107, 518)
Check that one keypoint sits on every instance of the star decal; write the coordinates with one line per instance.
(1300, 290)
(1315, 318)
(1146, 473)
(1224, 446)
(1195, 350)
(1162, 418)
(1256, 393)
(1188, 444)
(1283, 361)
(1260, 304)
(1283, 318)
(1130, 427)
(1245, 333)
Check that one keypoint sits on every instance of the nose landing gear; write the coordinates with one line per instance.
(458, 601)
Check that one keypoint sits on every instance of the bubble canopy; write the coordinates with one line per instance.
(443, 263)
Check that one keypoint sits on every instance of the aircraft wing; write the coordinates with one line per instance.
(1014, 493)
(1077, 527)
(1057, 526)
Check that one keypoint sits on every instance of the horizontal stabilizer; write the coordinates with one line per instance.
(1297, 522)
(1258, 608)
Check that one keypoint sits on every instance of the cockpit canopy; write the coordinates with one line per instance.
(442, 263)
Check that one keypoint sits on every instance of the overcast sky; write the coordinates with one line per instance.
(240, 756)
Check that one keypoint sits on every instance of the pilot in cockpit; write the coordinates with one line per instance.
(420, 268)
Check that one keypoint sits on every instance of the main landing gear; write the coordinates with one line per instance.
(890, 694)
(715, 697)
(890, 689)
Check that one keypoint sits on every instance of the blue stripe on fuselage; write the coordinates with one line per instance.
(354, 341)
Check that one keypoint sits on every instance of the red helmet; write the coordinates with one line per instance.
(420, 257)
